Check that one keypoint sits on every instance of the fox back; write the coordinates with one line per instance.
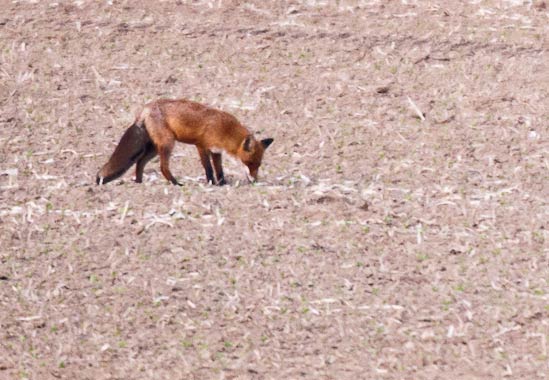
(194, 123)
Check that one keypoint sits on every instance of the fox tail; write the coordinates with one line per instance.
(132, 147)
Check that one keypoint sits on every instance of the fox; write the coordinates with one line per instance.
(162, 122)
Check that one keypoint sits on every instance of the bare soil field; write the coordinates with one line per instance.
(399, 229)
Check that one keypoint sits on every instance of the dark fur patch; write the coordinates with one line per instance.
(132, 146)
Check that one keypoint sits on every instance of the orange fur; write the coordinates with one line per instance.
(167, 121)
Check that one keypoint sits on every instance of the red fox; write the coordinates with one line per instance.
(164, 121)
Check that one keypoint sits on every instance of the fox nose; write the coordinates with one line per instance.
(253, 175)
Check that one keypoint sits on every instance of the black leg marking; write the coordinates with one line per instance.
(207, 164)
(220, 177)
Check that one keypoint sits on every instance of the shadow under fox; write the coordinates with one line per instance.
(164, 121)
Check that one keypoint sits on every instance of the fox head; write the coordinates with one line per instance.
(251, 153)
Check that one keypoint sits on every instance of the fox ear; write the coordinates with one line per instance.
(266, 142)
(247, 144)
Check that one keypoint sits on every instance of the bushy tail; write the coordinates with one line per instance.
(131, 147)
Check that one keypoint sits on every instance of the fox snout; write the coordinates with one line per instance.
(252, 177)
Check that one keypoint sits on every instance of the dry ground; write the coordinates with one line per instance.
(376, 246)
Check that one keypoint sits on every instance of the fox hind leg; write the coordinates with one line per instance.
(218, 167)
(165, 151)
(163, 139)
(150, 153)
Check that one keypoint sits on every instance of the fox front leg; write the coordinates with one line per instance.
(206, 163)
(218, 167)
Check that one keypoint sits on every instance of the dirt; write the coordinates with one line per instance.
(398, 231)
